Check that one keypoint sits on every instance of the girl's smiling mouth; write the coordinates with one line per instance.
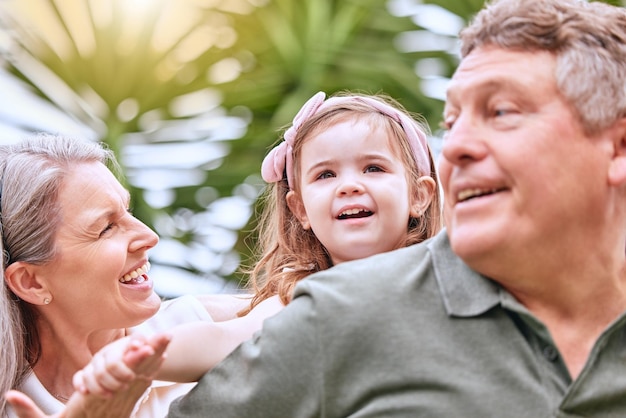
(355, 213)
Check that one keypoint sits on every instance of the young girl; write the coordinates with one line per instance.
(353, 177)
(330, 139)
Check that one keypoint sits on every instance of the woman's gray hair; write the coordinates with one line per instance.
(31, 173)
(588, 40)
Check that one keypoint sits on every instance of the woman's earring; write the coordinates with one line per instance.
(47, 301)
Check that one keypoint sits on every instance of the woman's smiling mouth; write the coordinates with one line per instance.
(137, 275)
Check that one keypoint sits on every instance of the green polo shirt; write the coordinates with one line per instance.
(410, 333)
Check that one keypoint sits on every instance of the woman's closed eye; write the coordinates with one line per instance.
(110, 225)
(106, 229)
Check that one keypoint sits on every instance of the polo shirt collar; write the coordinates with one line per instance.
(465, 293)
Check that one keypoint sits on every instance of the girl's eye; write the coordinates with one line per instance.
(325, 175)
(373, 169)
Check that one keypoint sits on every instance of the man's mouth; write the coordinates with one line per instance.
(136, 276)
(355, 213)
(468, 194)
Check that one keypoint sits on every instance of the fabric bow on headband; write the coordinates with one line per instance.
(280, 159)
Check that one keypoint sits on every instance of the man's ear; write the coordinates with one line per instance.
(22, 280)
(296, 206)
(617, 169)
(425, 189)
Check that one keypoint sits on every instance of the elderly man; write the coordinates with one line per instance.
(517, 308)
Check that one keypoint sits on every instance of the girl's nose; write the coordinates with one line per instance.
(350, 186)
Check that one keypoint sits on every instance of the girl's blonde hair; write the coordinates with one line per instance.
(286, 252)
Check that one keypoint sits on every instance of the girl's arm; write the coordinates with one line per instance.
(224, 307)
(194, 348)
(197, 347)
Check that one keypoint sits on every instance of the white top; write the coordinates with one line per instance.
(155, 402)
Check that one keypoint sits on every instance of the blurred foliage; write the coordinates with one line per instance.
(147, 74)
(300, 47)
(121, 70)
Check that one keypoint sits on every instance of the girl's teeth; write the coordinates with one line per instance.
(351, 212)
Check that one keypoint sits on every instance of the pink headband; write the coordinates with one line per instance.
(281, 157)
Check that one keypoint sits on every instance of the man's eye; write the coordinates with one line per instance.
(447, 123)
(505, 111)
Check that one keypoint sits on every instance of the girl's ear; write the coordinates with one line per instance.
(425, 189)
(617, 169)
(22, 280)
(295, 204)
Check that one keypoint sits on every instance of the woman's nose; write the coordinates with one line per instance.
(144, 239)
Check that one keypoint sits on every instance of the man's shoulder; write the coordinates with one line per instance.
(380, 273)
(406, 256)
(398, 261)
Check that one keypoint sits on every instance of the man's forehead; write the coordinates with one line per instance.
(490, 69)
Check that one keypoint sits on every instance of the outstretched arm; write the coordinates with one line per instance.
(224, 307)
(144, 360)
(195, 348)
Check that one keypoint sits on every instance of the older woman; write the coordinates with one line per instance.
(75, 271)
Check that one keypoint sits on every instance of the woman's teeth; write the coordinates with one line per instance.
(136, 275)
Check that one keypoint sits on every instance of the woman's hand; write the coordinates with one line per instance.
(24, 407)
(143, 358)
